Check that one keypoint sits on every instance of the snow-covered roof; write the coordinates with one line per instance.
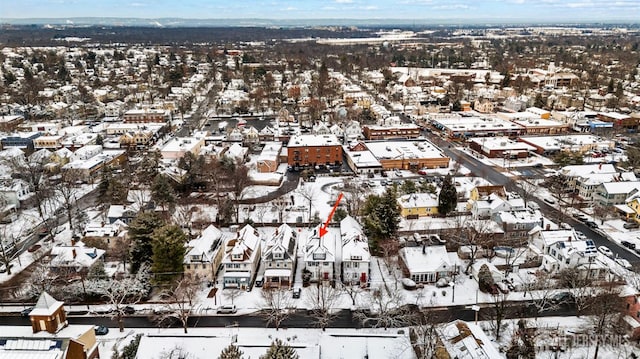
(203, 246)
(466, 340)
(46, 305)
(418, 200)
(362, 159)
(621, 187)
(282, 241)
(313, 140)
(246, 244)
(426, 259)
(355, 246)
(319, 248)
(588, 170)
(77, 256)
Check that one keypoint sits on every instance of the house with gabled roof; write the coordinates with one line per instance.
(355, 253)
(204, 254)
(74, 259)
(241, 258)
(613, 193)
(320, 255)
(279, 258)
(427, 264)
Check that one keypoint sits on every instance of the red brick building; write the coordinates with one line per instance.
(146, 116)
(314, 150)
(391, 132)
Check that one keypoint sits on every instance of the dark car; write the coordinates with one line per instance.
(296, 292)
(628, 244)
(129, 310)
(591, 224)
(101, 330)
(25, 312)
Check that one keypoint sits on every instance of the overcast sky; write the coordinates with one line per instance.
(567, 11)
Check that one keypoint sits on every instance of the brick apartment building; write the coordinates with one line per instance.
(314, 150)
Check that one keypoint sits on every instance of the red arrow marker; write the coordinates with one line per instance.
(323, 228)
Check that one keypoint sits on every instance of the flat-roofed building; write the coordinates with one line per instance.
(146, 116)
(546, 145)
(500, 147)
(534, 124)
(314, 150)
(400, 131)
(461, 127)
(408, 154)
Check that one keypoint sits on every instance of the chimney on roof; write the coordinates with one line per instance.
(73, 252)
(600, 166)
(570, 238)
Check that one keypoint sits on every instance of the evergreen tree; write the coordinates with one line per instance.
(140, 231)
(280, 350)
(448, 197)
(168, 252)
(162, 192)
(231, 352)
(381, 217)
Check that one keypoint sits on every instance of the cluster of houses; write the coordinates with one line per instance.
(245, 254)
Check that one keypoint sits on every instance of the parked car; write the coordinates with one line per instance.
(562, 298)
(227, 309)
(581, 235)
(297, 291)
(591, 224)
(549, 200)
(631, 225)
(565, 225)
(101, 330)
(606, 251)
(628, 244)
(26, 311)
(436, 239)
(259, 281)
(129, 310)
(624, 263)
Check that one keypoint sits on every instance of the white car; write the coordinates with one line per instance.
(565, 226)
(624, 263)
(549, 200)
(606, 251)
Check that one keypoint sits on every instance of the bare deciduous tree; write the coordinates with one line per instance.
(232, 293)
(181, 300)
(322, 300)
(119, 293)
(384, 309)
(277, 302)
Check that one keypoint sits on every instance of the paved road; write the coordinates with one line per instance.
(489, 173)
(300, 319)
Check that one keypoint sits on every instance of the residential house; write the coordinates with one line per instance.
(355, 253)
(204, 254)
(415, 205)
(516, 225)
(493, 203)
(427, 264)
(614, 193)
(279, 258)
(461, 339)
(241, 258)
(319, 255)
(14, 192)
(74, 259)
(563, 250)
(124, 213)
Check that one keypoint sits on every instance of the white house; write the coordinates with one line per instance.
(241, 258)
(319, 255)
(563, 250)
(427, 264)
(279, 257)
(77, 258)
(355, 253)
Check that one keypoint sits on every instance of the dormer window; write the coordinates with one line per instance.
(277, 255)
(236, 257)
(319, 256)
(356, 258)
